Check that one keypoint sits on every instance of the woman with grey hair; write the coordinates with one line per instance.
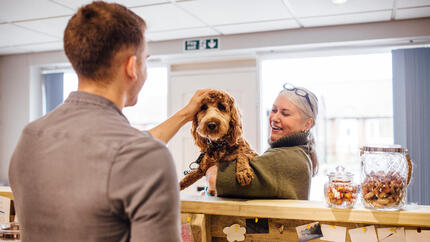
(286, 168)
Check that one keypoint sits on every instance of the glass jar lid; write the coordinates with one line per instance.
(384, 148)
(340, 175)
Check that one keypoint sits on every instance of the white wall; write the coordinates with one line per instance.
(20, 97)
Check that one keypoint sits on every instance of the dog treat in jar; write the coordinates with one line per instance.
(385, 174)
(340, 191)
(9, 232)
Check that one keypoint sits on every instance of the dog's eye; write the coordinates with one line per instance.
(221, 107)
(204, 107)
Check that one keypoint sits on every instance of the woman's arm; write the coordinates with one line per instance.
(211, 174)
(278, 173)
(166, 130)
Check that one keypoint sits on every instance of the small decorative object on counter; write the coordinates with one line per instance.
(385, 174)
(235, 233)
(9, 231)
(340, 191)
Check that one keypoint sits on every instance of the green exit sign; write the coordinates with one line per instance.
(211, 44)
(202, 44)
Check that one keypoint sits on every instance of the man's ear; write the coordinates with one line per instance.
(131, 67)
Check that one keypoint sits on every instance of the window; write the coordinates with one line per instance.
(150, 110)
(70, 83)
(355, 105)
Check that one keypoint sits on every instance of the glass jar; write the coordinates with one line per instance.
(9, 232)
(340, 191)
(385, 174)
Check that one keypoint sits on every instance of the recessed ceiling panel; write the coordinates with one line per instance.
(12, 50)
(75, 4)
(181, 34)
(57, 45)
(15, 10)
(412, 3)
(12, 35)
(258, 26)
(238, 11)
(167, 17)
(413, 13)
(52, 26)
(307, 8)
(346, 19)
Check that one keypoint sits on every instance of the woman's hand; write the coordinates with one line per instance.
(211, 174)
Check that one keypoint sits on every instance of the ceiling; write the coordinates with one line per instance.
(38, 25)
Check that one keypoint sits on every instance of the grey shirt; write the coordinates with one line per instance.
(82, 173)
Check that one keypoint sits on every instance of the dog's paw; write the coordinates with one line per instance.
(182, 185)
(244, 177)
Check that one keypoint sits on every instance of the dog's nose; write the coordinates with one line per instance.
(212, 125)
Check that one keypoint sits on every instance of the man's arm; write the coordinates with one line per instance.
(166, 130)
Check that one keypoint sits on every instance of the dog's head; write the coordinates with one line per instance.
(218, 119)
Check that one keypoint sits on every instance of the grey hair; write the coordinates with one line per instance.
(302, 102)
(303, 105)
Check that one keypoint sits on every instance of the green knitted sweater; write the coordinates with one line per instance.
(283, 171)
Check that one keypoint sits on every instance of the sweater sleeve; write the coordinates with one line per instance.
(143, 189)
(278, 173)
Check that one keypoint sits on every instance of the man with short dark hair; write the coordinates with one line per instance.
(82, 173)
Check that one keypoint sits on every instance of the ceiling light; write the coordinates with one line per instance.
(339, 1)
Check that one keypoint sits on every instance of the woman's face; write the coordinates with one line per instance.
(286, 118)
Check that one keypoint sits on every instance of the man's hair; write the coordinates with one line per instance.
(96, 33)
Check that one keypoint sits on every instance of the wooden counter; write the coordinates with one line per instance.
(221, 212)
(209, 215)
(5, 191)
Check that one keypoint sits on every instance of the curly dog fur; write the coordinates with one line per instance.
(217, 131)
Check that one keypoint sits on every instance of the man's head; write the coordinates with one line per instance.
(101, 37)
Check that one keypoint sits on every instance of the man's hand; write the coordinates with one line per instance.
(194, 104)
(170, 127)
(211, 174)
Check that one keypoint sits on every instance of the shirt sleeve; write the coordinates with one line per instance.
(278, 173)
(144, 190)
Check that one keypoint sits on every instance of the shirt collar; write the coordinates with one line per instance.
(89, 98)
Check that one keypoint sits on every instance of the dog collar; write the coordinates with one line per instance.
(197, 162)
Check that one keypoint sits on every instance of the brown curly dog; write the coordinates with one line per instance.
(217, 131)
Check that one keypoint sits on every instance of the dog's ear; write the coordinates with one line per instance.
(235, 130)
(200, 141)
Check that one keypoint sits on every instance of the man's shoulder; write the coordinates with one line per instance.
(142, 139)
(102, 127)
(144, 151)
